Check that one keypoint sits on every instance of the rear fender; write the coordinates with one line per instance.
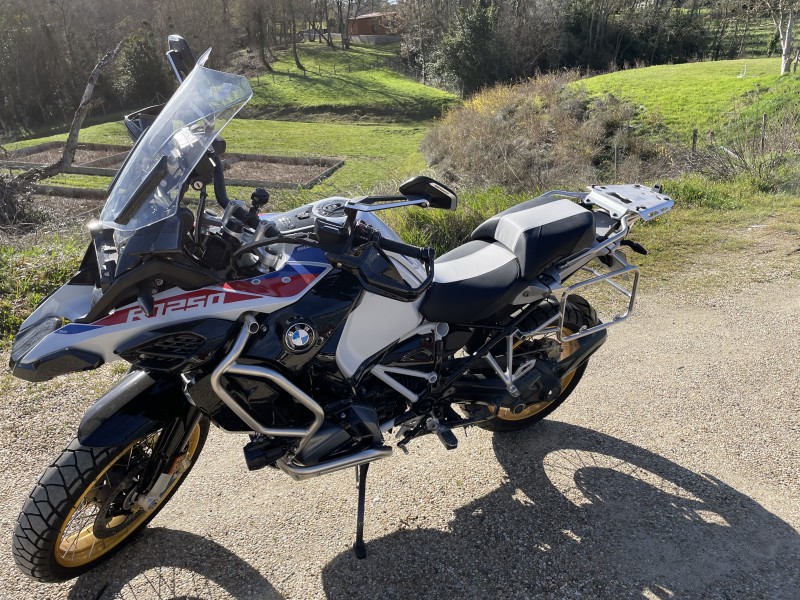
(136, 407)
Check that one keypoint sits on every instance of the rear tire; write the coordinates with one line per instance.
(579, 314)
(54, 540)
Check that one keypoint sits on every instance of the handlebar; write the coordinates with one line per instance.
(366, 233)
(402, 248)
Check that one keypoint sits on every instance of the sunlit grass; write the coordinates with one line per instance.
(358, 83)
(696, 95)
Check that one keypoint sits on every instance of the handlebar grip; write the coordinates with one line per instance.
(401, 248)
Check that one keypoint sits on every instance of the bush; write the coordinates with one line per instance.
(470, 53)
(542, 134)
(16, 211)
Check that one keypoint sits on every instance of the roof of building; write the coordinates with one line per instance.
(372, 15)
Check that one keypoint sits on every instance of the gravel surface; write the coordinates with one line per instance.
(672, 472)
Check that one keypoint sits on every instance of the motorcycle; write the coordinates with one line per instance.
(316, 332)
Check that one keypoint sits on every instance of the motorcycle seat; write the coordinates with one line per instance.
(472, 282)
(540, 232)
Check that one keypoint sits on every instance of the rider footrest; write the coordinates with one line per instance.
(447, 437)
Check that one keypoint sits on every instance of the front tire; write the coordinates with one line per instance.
(72, 519)
(579, 314)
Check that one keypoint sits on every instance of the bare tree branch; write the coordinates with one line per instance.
(87, 104)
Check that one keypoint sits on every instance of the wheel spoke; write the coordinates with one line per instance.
(97, 523)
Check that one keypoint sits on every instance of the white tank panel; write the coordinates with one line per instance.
(375, 324)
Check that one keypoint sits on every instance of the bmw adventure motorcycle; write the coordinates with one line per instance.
(316, 332)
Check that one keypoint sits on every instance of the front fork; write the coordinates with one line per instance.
(168, 461)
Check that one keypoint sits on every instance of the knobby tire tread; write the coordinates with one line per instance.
(54, 495)
(49, 502)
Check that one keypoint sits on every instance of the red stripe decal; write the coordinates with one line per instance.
(275, 287)
(198, 299)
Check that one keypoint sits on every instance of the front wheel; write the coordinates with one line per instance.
(579, 315)
(77, 516)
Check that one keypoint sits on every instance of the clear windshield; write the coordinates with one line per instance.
(173, 145)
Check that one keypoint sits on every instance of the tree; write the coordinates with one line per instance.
(290, 8)
(782, 13)
(469, 52)
(10, 207)
(141, 70)
(346, 10)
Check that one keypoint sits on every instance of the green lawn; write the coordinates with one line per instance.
(376, 156)
(696, 95)
(356, 83)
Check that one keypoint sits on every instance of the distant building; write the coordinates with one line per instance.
(371, 24)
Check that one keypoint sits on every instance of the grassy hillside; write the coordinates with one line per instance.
(358, 83)
(702, 95)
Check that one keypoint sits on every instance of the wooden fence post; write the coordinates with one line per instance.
(694, 140)
(763, 132)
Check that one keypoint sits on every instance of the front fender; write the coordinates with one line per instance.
(136, 407)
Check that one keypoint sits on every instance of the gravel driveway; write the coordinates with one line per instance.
(672, 472)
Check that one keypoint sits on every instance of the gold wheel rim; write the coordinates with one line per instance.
(506, 414)
(76, 544)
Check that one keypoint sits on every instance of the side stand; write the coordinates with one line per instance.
(361, 475)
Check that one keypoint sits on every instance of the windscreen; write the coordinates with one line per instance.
(148, 187)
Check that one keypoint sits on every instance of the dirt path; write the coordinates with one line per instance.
(673, 472)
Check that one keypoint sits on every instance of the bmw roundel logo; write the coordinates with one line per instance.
(299, 337)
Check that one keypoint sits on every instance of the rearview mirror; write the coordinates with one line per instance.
(180, 56)
(437, 194)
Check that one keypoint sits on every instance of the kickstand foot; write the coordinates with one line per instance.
(359, 547)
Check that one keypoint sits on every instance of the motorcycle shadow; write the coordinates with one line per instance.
(583, 514)
(167, 564)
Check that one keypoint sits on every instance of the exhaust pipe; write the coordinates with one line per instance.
(359, 458)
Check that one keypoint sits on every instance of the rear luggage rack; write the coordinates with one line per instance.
(629, 200)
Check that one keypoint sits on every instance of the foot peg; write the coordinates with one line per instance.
(447, 437)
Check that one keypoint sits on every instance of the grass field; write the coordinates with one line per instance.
(376, 156)
(358, 83)
(696, 95)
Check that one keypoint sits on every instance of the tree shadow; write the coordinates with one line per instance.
(167, 564)
(583, 514)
